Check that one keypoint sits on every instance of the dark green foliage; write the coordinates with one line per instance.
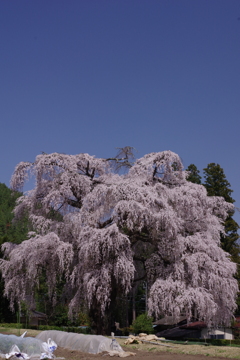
(128, 306)
(5, 314)
(217, 185)
(57, 314)
(143, 323)
(74, 329)
(16, 232)
(125, 331)
(216, 182)
(140, 298)
(9, 232)
(194, 176)
(60, 316)
(229, 242)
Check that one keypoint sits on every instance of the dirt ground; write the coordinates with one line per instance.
(148, 351)
(157, 352)
(140, 355)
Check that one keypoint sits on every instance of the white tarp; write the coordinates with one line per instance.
(20, 347)
(93, 344)
(30, 346)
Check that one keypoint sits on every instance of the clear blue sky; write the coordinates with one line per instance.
(92, 75)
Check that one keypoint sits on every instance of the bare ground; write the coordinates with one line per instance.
(149, 351)
(140, 355)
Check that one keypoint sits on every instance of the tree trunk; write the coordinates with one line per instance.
(103, 324)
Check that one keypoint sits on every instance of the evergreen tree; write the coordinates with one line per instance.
(193, 176)
(217, 184)
(9, 232)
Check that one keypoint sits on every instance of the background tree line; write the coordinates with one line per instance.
(10, 231)
(15, 232)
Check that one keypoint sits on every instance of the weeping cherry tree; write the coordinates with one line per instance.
(103, 231)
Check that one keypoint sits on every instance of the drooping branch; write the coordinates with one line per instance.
(146, 223)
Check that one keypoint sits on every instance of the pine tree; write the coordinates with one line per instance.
(193, 176)
(217, 184)
(9, 232)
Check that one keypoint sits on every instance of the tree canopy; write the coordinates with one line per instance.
(9, 232)
(104, 231)
(193, 174)
(217, 184)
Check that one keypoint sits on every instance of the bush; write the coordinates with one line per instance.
(125, 331)
(83, 319)
(75, 329)
(143, 323)
(10, 325)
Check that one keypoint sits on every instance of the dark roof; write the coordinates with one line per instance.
(38, 314)
(194, 325)
(178, 333)
(169, 320)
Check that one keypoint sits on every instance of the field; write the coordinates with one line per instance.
(150, 351)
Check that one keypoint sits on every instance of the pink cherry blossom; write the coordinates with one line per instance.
(103, 231)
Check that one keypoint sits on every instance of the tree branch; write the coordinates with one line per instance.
(75, 203)
(105, 223)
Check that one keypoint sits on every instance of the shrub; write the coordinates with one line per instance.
(143, 323)
(125, 331)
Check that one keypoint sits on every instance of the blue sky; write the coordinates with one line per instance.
(92, 75)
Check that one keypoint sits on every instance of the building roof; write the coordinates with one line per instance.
(169, 320)
(194, 325)
(38, 314)
(178, 333)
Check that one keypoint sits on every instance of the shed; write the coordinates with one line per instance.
(35, 318)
